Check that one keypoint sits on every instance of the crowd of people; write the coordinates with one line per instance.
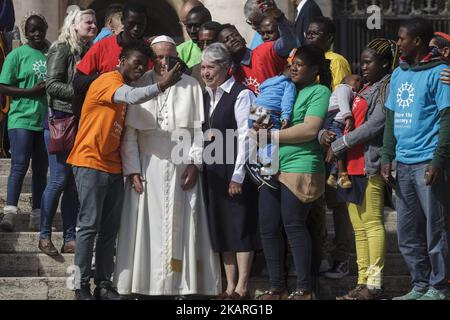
(188, 159)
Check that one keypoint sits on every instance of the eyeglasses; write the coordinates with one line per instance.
(314, 34)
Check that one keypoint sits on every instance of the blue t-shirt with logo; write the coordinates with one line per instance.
(417, 97)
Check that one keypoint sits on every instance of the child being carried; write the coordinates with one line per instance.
(341, 121)
(273, 105)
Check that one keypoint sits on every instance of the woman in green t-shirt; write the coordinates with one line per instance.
(301, 178)
(22, 78)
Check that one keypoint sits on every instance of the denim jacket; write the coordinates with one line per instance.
(370, 133)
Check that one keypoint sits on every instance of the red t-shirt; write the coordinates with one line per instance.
(102, 57)
(355, 156)
(264, 63)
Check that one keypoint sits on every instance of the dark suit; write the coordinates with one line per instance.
(310, 9)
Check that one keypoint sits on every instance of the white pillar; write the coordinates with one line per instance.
(50, 9)
(326, 6)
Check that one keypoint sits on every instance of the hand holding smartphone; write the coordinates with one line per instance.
(173, 61)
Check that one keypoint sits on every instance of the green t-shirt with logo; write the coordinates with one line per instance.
(306, 157)
(25, 67)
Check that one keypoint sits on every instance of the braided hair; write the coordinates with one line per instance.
(385, 49)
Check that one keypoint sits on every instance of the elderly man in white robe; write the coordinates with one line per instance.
(164, 246)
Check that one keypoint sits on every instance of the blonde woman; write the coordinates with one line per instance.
(75, 38)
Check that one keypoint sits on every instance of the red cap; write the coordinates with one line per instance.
(443, 35)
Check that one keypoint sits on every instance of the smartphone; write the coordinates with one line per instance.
(173, 61)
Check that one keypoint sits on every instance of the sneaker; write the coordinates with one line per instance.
(331, 181)
(338, 271)
(433, 294)
(106, 292)
(8, 222)
(254, 172)
(344, 181)
(412, 295)
(35, 220)
(84, 293)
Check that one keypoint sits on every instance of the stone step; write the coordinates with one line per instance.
(26, 186)
(5, 167)
(34, 265)
(394, 264)
(24, 204)
(54, 288)
(31, 262)
(34, 288)
(22, 220)
(25, 242)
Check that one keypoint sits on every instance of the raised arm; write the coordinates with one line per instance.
(283, 45)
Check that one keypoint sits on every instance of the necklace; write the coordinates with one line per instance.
(159, 114)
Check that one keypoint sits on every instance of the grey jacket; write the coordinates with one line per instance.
(370, 133)
(61, 64)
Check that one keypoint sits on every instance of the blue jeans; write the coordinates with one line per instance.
(61, 181)
(422, 226)
(278, 209)
(101, 196)
(27, 144)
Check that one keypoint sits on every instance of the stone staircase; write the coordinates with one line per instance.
(26, 273)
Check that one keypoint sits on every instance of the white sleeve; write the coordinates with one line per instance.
(344, 94)
(241, 112)
(196, 150)
(135, 95)
(129, 152)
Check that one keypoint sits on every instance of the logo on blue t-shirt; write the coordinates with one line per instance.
(417, 98)
(405, 95)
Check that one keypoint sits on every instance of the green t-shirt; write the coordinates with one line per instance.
(190, 53)
(25, 67)
(306, 157)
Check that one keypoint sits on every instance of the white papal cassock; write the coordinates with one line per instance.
(163, 245)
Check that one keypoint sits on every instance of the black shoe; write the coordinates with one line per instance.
(106, 292)
(254, 172)
(84, 293)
